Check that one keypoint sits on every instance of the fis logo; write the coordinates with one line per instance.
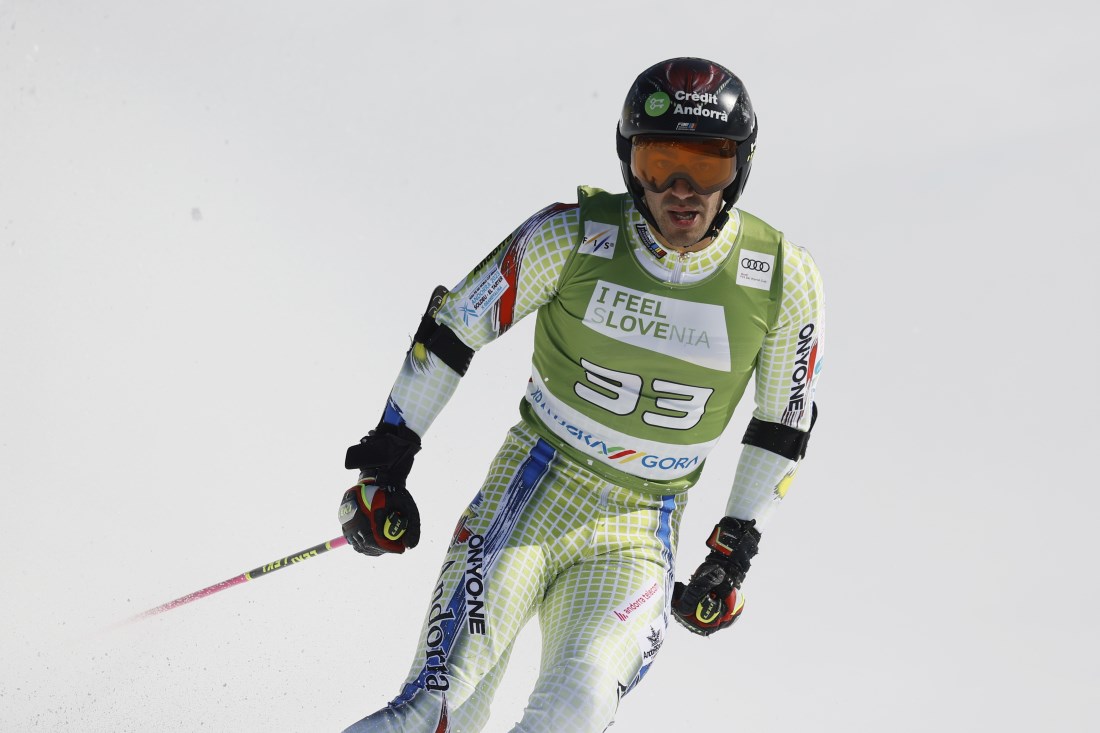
(599, 239)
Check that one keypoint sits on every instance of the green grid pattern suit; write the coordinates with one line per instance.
(636, 373)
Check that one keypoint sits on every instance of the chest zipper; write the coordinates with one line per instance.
(678, 267)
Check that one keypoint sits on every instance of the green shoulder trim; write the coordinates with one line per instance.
(594, 204)
(759, 236)
(598, 204)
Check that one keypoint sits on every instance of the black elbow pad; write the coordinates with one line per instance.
(441, 340)
(780, 439)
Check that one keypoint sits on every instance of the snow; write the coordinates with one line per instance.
(219, 224)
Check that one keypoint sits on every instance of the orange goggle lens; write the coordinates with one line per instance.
(708, 165)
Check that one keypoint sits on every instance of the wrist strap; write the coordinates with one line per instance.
(735, 542)
(387, 452)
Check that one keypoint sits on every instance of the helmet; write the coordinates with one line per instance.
(688, 98)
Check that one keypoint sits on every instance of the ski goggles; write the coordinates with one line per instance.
(707, 164)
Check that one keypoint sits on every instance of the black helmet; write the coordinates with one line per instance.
(689, 97)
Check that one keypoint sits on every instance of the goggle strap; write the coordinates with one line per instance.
(745, 147)
(623, 145)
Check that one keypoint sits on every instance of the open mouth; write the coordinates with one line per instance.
(683, 218)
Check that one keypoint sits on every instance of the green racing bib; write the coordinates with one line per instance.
(637, 378)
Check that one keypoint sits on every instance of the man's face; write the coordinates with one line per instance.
(682, 215)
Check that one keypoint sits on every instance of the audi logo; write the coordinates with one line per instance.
(757, 265)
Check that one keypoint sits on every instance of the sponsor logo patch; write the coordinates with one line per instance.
(699, 104)
(484, 293)
(638, 600)
(754, 269)
(599, 239)
(474, 584)
(691, 332)
(649, 242)
(650, 642)
(657, 104)
(806, 366)
(590, 443)
(436, 677)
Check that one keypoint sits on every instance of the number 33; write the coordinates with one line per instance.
(619, 392)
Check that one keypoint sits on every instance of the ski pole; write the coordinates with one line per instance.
(244, 577)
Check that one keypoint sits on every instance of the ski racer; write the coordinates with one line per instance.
(654, 308)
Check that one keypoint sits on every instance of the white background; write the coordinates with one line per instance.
(220, 221)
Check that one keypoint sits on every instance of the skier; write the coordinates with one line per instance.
(654, 308)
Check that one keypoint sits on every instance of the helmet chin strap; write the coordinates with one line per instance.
(719, 223)
(729, 194)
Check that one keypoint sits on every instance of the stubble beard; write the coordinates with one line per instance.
(677, 237)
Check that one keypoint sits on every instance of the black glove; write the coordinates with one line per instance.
(712, 599)
(378, 519)
(378, 514)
